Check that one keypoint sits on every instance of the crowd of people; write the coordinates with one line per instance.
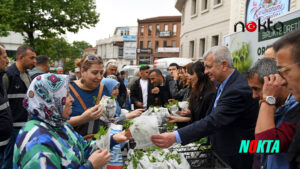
(48, 120)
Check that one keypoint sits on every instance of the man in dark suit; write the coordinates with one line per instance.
(140, 91)
(160, 90)
(230, 119)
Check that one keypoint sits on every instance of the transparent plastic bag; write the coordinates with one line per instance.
(109, 108)
(142, 129)
(183, 105)
(104, 143)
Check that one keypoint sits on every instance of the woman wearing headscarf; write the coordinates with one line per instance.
(47, 140)
(111, 89)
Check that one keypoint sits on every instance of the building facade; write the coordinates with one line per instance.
(11, 43)
(90, 51)
(121, 46)
(204, 23)
(158, 37)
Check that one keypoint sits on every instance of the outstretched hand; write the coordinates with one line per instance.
(164, 140)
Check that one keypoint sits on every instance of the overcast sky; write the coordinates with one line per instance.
(114, 13)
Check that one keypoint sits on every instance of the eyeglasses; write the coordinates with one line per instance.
(284, 69)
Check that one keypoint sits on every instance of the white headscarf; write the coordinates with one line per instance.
(46, 98)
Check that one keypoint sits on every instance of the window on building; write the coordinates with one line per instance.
(149, 44)
(192, 48)
(120, 51)
(217, 2)
(141, 44)
(149, 30)
(215, 40)
(204, 5)
(166, 27)
(174, 29)
(202, 46)
(156, 46)
(173, 43)
(121, 33)
(194, 7)
(142, 30)
(165, 43)
(157, 29)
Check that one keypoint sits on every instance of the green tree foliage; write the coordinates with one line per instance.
(4, 17)
(79, 47)
(47, 18)
(58, 48)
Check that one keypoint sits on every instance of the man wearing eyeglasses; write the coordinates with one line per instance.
(283, 104)
(288, 58)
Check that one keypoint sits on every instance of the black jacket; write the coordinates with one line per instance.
(293, 117)
(161, 98)
(136, 94)
(200, 107)
(177, 91)
(232, 120)
(5, 118)
(16, 93)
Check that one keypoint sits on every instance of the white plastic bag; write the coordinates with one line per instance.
(142, 129)
(109, 108)
(183, 105)
(104, 143)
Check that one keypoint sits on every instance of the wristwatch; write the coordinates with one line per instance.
(269, 100)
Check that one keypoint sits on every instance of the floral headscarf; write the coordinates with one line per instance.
(46, 98)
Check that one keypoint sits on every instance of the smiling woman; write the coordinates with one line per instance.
(47, 140)
(85, 110)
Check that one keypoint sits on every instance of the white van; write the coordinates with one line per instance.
(163, 64)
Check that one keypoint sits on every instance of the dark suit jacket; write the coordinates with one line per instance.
(232, 120)
(136, 94)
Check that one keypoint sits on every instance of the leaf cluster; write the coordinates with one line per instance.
(127, 124)
(102, 131)
(174, 102)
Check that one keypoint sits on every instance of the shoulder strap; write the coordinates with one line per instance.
(78, 97)
(100, 93)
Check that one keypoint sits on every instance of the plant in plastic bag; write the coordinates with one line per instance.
(183, 105)
(103, 138)
(156, 158)
(173, 107)
(142, 129)
(109, 108)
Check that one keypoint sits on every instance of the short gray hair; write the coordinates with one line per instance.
(263, 67)
(220, 54)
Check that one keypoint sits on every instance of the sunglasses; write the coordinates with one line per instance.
(93, 57)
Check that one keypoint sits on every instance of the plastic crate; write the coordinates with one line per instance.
(204, 159)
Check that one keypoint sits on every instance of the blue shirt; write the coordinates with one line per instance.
(219, 92)
(86, 96)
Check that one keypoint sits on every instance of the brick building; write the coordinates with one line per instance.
(158, 37)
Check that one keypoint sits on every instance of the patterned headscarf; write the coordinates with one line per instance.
(46, 98)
